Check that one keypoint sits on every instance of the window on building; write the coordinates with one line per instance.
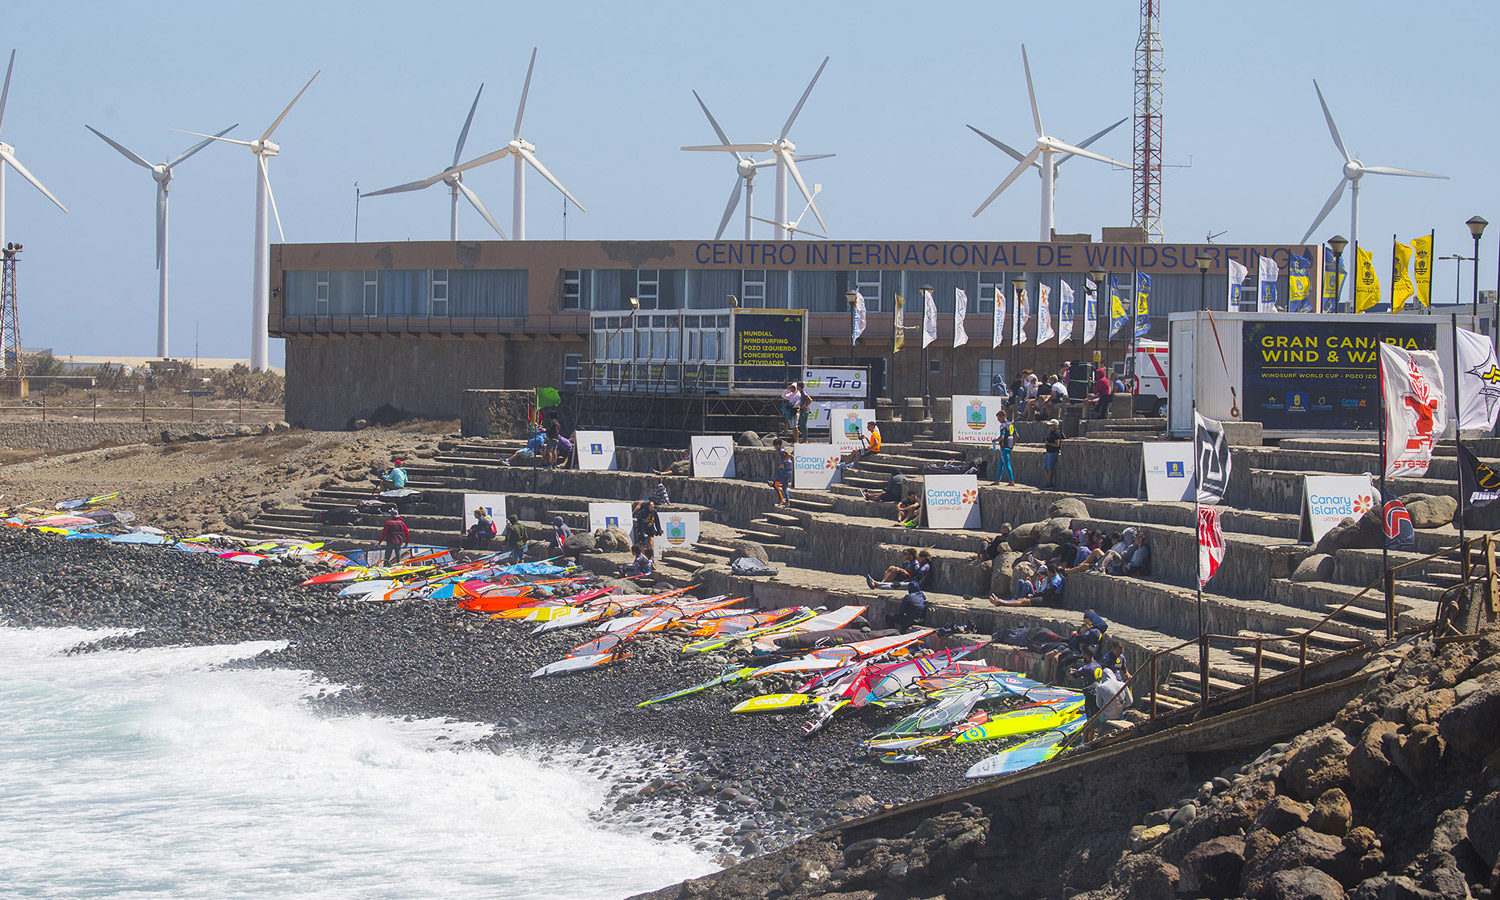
(320, 307)
(572, 289)
(988, 282)
(439, 293)
(754, 296)
(868, 283)
(372, 292)
(648, 288)
(572, 364)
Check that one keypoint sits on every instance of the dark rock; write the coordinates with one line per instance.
(1318, 765)
(751, 549)
(1428, 706)
(1025, 536)
(1183, 816)
(1430, 510)
(1332, 813)
(1316, 567)
(1068, 508)
(1366, 533)
(1418, 753)
(581, 542)
(800, 872)
(1304, 883)
(1360, 840)
(1369, 766)
(1472, 727)
(1141, 876)
(1483, 829)
(612, 540)
(1282, 815)
(1388, 887)
(748, 439)
(1213, 868)
(1303, 847)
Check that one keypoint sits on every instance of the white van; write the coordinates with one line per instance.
(1150, 376)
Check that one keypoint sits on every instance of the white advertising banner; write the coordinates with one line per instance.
(826, 383)
(846, 424)
(952, 501)
(1328, 500)
(595, 449)
(713, 456)
(822, 410)
(678, 530)
(976, 419)
(494, 504)
(1166, 471)
(610, 515)
(815, 466)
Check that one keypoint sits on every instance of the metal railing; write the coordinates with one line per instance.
(143, 412)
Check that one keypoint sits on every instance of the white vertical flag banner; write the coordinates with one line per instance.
(929, 319)
(1478, 381)
(859, 316)
(999, 316)
(1266, 296)
(1237, 275)
(960, 309)
(1044, 331)
(1416, 408)
(1090, 309)
(1023, 315)
(1065, 315)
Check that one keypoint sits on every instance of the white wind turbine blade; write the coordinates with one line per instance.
(14, 163)
(215, 137)
(542, 170)
(265, 176)
(525, 89)
(809, 157)
(1333, 201)
(1036, 112)
(5, 92)
(474, 199)
(161, 221)
(289, 106)
(791, 167)
(1010, 179)
(1007, 149)
(734, 201)
(734, 148)
(797, 223)
(198, 146)
(472, 164)
(1079, 151)
(128, 154)
(793, 117)
(1332, 128)
(1411, 173)
(789, 226)
(463, 136)
(409, 186)
(723, 138)
(1089, 140)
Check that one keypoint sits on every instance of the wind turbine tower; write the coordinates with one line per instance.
(1148, 72)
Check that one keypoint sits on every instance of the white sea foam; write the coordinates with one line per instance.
(151, 774)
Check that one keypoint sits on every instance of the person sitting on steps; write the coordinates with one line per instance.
(989, 549)
(481, 532)
(535, 447)
(913, 609)
(891, 493)
(909, 511)
(871, 442)
(642, 564)
(915, 567)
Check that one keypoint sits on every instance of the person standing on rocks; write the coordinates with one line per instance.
(394, 536)
(1052, 449)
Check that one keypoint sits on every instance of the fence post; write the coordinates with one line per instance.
(1390, 604)
(1302, 662)
(242, 412)
(96, 408)
(143, 409)
(192, 410)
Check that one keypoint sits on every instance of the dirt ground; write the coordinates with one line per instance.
(192, 487)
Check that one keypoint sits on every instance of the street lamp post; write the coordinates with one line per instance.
(1458, 275)
(1337, 243)
(1476, 227)
(1205, 262)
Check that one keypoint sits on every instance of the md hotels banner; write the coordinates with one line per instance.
(976, 419)
(816, 466)
(713, 456)
(595, 449)
(952, 501)
(610, 515)
(679, 530)
(1328, 500)
(1166, 471)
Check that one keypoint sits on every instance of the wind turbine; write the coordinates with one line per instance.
(260, 298)
(8, 158)
(1017, 155)
(1046, 147)
(453, 177)
(162, 173)
(745, 169)
(795, 226)
(1354, 170)
(786, 160)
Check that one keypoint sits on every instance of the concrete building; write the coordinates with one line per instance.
(410, 326)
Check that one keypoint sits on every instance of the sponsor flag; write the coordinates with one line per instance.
(1366, 282)
(1210, 544)
(1402, 287)
(1117, 317)
(1065, 315)
(999, 317)
(929, 319)
(1142, 304)
(1090, 309)
(1411, 382)
(1421, 252)
(1044, 332)
(1478, 381)
(859, 317)
(1478, 484)
(1266, 287)
(1299, 282)
(1399, 532)
(1023, 315)
(1211, 451)
(960, 309)
(1334, 276)
(1237, 274)
(898, 331)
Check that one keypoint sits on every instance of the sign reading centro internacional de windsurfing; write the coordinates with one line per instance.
(1057, 256)
(768, 348)
(1319, 375)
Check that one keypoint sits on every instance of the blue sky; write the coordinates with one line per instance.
(610, 105)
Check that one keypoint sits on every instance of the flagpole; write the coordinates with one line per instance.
(1463, 550)
(1385, 549)
(1393, 284)
(1431, 257)
(1198, 567)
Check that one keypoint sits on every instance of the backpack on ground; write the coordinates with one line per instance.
(749, 565)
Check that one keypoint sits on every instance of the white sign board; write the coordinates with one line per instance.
(678, 530)
(1166, 471)
(610, 515)
(820, 414)
(952, 501)
(815, 466)
(713, 457)
(595, 449)
(494, 504)
(976, 419)
(827, 383)
(1328, 500)
(847, 425)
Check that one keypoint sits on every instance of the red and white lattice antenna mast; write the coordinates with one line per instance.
(1148, 72)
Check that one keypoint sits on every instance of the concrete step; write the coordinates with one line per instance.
(1328, 640)
(763, 537)
(783, 518)
(1276, 659)
(714, 550)
(1190, 681)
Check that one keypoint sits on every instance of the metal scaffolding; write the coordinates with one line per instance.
(1148, 72)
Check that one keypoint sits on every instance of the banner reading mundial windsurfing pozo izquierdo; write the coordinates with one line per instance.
(595, 449)
(976, 419)
(1166, 470)
(834, 387)
(952, 501)
(713, 456)
(494, 504)
(678, 530)
(816, 466)
(609, 515)
(846, 426)
(1330, 499)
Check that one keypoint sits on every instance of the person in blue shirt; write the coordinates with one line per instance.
(533, 449)
(395, 478)
(913, 609)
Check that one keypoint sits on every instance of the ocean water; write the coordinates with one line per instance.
(150, 774)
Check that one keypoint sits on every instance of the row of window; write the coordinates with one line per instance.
(414, 293)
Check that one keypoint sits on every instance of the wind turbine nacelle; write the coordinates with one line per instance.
(746, 168)
(1353, 169)
(161, 173)
(453, 178)
(519, 144)
(265, 148)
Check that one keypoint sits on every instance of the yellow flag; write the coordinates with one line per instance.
(1401, 286)
(1422, 254)
(899, 334)
(1366, 282)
